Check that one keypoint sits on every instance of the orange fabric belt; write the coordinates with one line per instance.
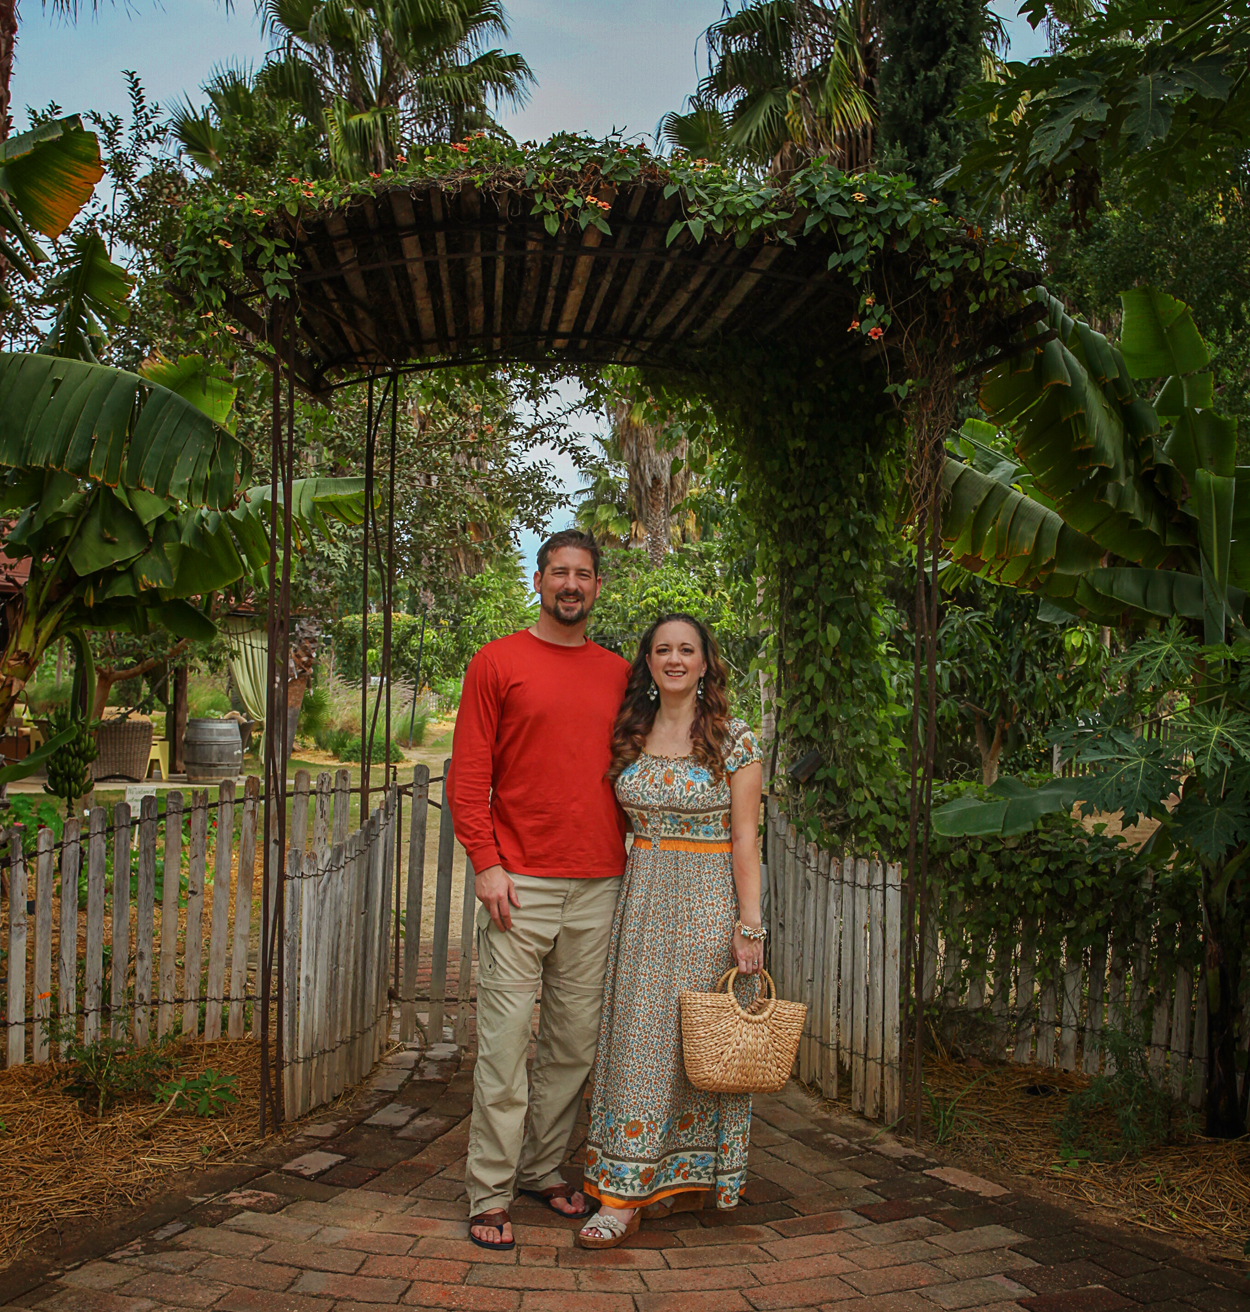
(682, 844)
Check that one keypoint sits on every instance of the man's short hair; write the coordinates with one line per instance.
(568, 537)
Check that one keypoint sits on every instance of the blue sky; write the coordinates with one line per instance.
(601, 64)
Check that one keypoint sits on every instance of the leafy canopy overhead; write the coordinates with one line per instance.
(1155, 89)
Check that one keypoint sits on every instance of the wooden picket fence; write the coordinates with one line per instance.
(187, 965)
(835, 939)
(144, 975)
(1049, 1008)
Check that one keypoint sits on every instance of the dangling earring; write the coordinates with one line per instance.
(700, 692)
(653, 692)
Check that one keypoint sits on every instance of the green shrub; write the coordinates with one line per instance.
(314, 713)
(346, 746)
(206, 698)
(205, 1094)
(1124, 1113)
(406, 725)
(108, 1070)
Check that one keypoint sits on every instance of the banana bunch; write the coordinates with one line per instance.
(69, 767)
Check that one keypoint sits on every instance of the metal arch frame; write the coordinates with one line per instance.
(281, 325)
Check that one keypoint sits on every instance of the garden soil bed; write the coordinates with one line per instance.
(1196, 1189)
(59, 1165)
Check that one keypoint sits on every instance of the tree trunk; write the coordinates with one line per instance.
(991, 749)
(23, 650)
(657, 524)
(178, 717)
(1224, 933)
(105, 678)
(8, 40)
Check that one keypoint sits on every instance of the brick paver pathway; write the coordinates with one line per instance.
(368, 1209)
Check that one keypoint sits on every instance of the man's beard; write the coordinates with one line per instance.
(565, 617)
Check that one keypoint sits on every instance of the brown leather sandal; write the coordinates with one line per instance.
(495, 1219)
(562, 1190)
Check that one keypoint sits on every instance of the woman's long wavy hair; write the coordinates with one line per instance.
(710, 730)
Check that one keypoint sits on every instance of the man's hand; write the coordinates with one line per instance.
(497, 893)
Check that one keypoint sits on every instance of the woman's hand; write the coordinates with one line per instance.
(748, 954)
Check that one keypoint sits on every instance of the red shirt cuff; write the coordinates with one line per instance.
(482, 858)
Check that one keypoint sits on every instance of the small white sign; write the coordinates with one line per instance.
(135, 793)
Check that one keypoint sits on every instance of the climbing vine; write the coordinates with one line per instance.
(230, 239)
(816, 447)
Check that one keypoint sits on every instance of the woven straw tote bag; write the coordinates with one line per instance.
(728, 1050)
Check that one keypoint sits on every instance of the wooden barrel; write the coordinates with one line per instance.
(212, 750)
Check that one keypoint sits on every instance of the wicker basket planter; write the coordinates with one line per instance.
(124, 749)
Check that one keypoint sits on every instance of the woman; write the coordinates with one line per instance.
(689, 778)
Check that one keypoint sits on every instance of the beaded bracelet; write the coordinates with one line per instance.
(753, 935)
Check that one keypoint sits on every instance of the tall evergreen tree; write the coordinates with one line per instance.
(931, 50)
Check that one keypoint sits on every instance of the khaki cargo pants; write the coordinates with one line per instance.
(559, 935)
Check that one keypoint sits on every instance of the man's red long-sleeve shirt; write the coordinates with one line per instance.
(528, 781)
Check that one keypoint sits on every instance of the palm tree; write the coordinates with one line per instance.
(659, 477)
(374, 75)
(789, 79)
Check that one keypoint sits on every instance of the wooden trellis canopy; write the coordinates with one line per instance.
(444, 271)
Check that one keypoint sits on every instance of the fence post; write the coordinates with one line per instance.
(824, 979)
(67, 964)
(323, 897)
(794, 913)
(1181, 1012)
(412, 901)
(1047, 1013)
(465, 981)
(308, 957)
(16, 1013)
(193, 939)
(1070, 1006)
(219, 930)
(846, 983)
(386, 956)
(442, 917)
(1093, 1017)
(93, 961)
(859, 989)
(45, 875)
(807, 857)
(121, 919)
(893, 1084)
(1198, 1085)
(876, 985)
(243, 912)
(145, 912)
(172, 877)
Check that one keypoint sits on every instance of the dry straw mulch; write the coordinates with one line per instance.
(58, 1164)
(1195, 1189)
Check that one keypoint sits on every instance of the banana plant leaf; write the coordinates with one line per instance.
(1012, 808)
(995, 530)
(314, 501)
(102, 423)
(1159, 336)
(90, 294)
(189, 376)
(46, 176)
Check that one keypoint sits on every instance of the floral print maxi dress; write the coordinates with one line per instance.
(652, 1133)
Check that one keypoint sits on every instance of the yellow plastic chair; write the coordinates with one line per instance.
(159, 755)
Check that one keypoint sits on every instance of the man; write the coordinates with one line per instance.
(542, 829)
